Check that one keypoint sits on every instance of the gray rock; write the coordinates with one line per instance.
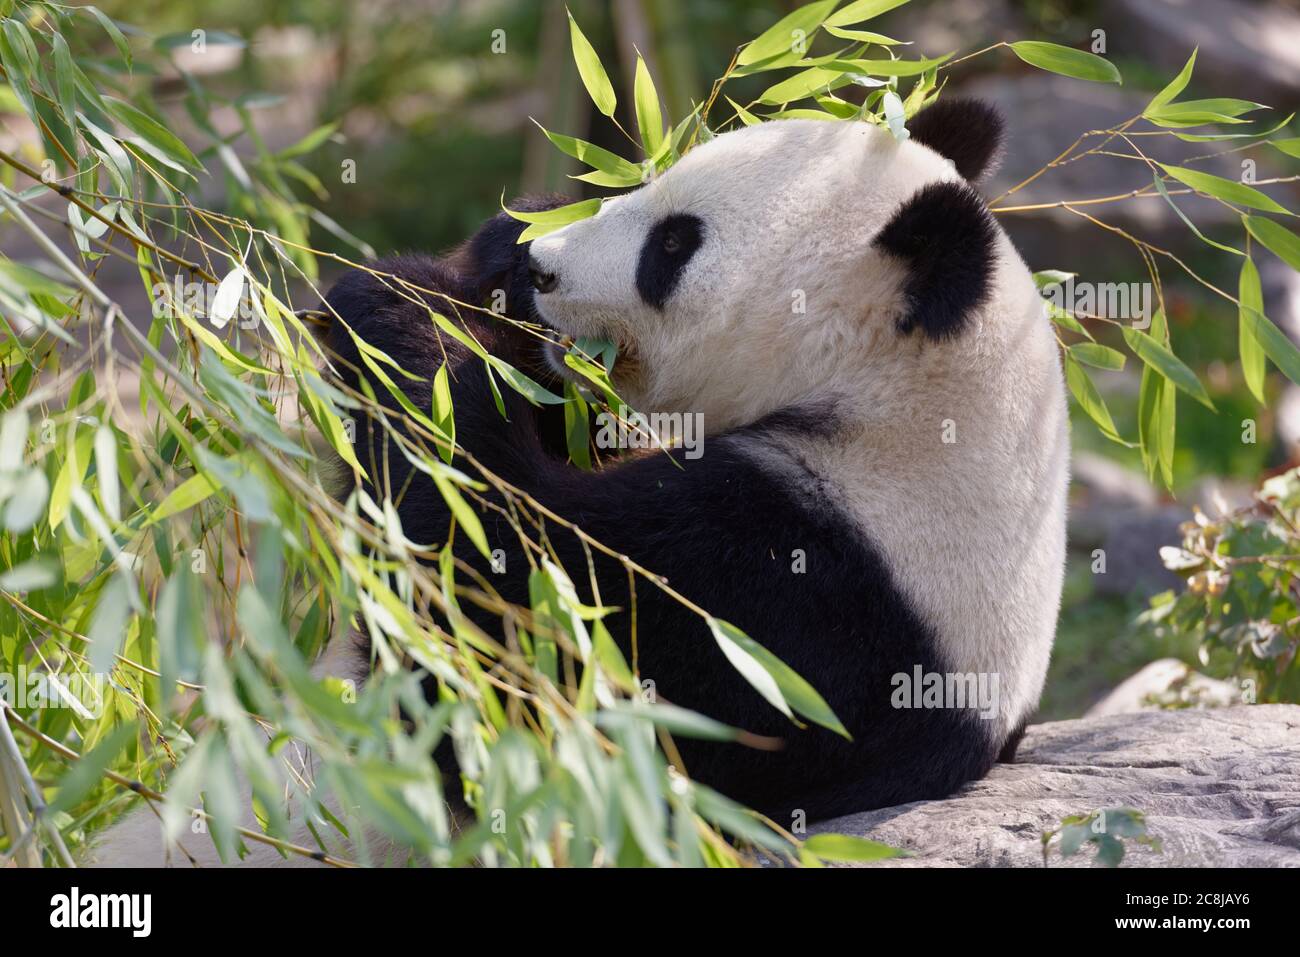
(1219, 787)
(1166, 679)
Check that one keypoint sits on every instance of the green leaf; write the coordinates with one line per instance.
(29, 576)
(1089, 399)
(675, 720)
(1251, 296)
(152, 132)
(781, 36)
(1098, 356)
(593, 74)
(189, 493)
(1199, 112)
(1228, 190)
(577, 427)
(88, 770)
(592, 155)
(70, 475)
(65, 80)
(1160, 188)
(1067, 321)
(19, 65)
(27, 500)
(863, 36)
(649, 118)
(860, 11)
(463, 513)
(1277, 238)
(549, 220)
(114, 33)
(1066, 61)
(1176, 86)
(889, 67)
(31, 281)
(106, 472)
(180, 628)
(1275, 343)
(1167, 364)
(844, 847)
(772, 678)
(443, 415)
(805, 83)
(108, 628)
(1247, 135)
(1289, 146)
(1110, 850)
(1157, 415)
(746, 117)
(309, 142)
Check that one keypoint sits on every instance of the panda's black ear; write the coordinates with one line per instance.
(968, 132)
(945, 235)
(493, 255)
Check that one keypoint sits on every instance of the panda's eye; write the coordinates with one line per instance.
(665, 253)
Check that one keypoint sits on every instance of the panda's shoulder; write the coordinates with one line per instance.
(392, 281)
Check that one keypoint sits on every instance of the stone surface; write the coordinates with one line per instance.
(1166, 680)
(1219, 787)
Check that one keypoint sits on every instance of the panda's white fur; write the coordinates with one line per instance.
(950, 454)
(973, 527)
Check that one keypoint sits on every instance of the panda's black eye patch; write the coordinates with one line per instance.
(667, 249)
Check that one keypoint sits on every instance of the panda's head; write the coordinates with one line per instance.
(785, 259)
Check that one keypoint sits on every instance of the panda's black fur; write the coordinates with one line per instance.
(720, 528)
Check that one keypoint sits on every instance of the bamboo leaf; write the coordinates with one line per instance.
(772, 678)
(114, 33)
(1227, 190)
(189, 493)
(1277, 238)
(649, 118)
(547, 221)
(1167, 364)
(88, 770)
(1098, 356)
(593, 74)
(1274, 342)
(1251, 297)
(860, 11)
(783, 35)
(592, 155)
(844, 847)
(1066, 61)
(1089, 399)
(1176, 85)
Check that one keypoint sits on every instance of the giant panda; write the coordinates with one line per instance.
(882, 491)
(885, 460)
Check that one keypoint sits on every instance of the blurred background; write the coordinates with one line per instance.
(418, 116)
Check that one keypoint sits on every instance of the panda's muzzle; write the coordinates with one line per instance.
(542, 280)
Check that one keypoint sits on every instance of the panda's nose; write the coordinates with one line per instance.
(543, 281)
